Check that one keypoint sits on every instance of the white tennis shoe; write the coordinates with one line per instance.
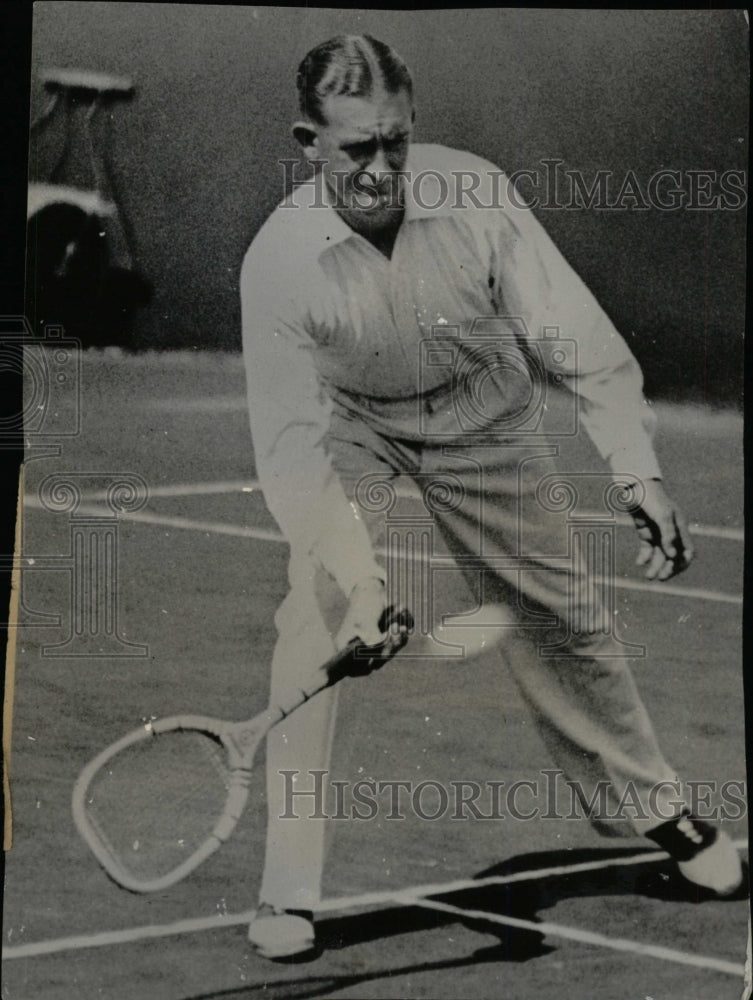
(704, 854)
(280, 934)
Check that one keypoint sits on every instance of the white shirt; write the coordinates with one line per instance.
(329, 320)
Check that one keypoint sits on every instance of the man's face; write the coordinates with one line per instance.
(364, 142)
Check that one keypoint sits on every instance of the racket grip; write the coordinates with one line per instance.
(289, 702)
(356, 660)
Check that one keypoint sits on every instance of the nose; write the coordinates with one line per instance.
(379, 166)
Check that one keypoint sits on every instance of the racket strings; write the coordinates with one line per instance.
(156, 802)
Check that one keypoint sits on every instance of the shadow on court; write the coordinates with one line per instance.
(523, 900)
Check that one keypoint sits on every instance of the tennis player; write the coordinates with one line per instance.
(342, 285)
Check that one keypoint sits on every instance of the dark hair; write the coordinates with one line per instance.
(350, 65)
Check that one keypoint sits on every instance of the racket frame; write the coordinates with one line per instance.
(240, 740)
(237, 796)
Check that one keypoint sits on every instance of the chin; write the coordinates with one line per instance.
(379, 218)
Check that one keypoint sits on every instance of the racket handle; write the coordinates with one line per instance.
(356, 660)
(294, 699)
(325, 677)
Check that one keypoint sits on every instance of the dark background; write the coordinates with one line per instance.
(196, 151)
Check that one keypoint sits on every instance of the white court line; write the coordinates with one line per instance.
(253, 485)
(190, 524)
(269, 535)
(220, 921)
(663, 587)
(582, 936)
(203, 404)
(711, 531)
(702, 530)
(191, 489)
(460, 885)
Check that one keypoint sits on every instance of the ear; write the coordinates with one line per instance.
(306, 136)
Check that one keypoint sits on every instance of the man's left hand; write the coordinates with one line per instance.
(666, 545)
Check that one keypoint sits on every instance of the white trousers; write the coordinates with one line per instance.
(515, 545)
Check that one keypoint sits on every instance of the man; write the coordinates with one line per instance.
(341, 287)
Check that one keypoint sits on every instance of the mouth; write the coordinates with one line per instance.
(378, 200)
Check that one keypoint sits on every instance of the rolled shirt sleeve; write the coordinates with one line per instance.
(536, 282)
(290, 416)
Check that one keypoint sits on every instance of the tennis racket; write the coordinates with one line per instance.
(159, 801)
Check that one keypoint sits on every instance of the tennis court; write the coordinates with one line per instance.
(412, 908)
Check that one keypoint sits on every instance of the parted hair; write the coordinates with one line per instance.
(350, 65)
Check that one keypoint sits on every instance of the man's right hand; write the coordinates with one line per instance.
(367, 604)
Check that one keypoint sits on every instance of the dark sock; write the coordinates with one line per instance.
(678, 844)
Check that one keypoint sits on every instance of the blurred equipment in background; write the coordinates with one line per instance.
(80, 271)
